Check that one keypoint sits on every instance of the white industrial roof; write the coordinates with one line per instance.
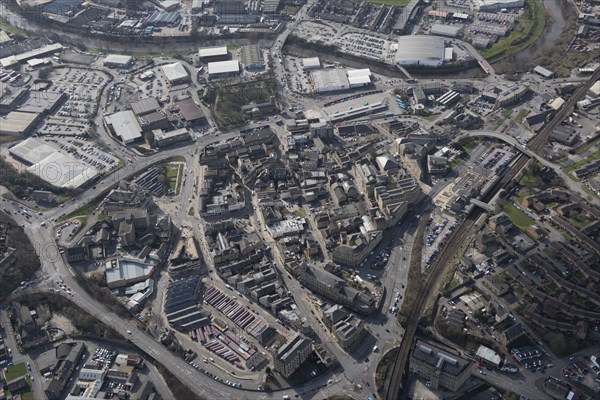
(174, 72)
(595, 89)
(312, 62)
(325, 80)
(117, 59)
(223, 67)
(63, 171)
(557, 103)
(359, 76)
(359, 72)
(11, 60)
(543, 71)
(420, 49)
(34, 62)
(128, 269)
(125, 125)
(16, 122)
(212, 51)
(448, 53)
(32, 150)
(488, 355)
(53, 166)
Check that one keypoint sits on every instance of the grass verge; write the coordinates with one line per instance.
(12, 29)
(517, 217)
(85, 210)
(383, 368)
(585, 147)
(16, 371)
(576, 165)
(528, 30)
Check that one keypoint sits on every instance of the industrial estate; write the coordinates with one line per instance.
(337, 199)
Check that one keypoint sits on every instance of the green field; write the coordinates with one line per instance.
(517, 217)
(290, 10)
(527, 30)
(174, 171)
(16, 371)
(398, 3)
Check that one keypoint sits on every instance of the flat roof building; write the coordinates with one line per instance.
(223, 68)
(329, 80)
(32, 150)
(445, 30)
(49, 163)
(163, 139)
(27, 55)
(311, 63)
(191, 112)
(359, 77)
(18, 123)
(145, 106)
(420, 50)
(124, 125)
(595, 89)
(291, 355)
(118, 61)
(438, 366)
(489, 356)
(546, 73)
(497, 5)
(175, 73)
(214, 53)
(126, 271)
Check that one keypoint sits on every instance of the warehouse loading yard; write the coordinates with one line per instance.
(263, 197)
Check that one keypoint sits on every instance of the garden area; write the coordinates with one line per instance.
(228, 100)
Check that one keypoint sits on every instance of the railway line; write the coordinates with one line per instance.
(394, 380)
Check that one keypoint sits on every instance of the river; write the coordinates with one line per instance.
(556, 23)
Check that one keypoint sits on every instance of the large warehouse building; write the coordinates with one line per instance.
(52, 165)
(311, 63)
(175, 73)
(118, 61)
(252, 57)
(329, 80)
(359, 77)
(223, 68)
(445, 30)
(420, 50)
(214, 53)
(124, 125)
(18, 123)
